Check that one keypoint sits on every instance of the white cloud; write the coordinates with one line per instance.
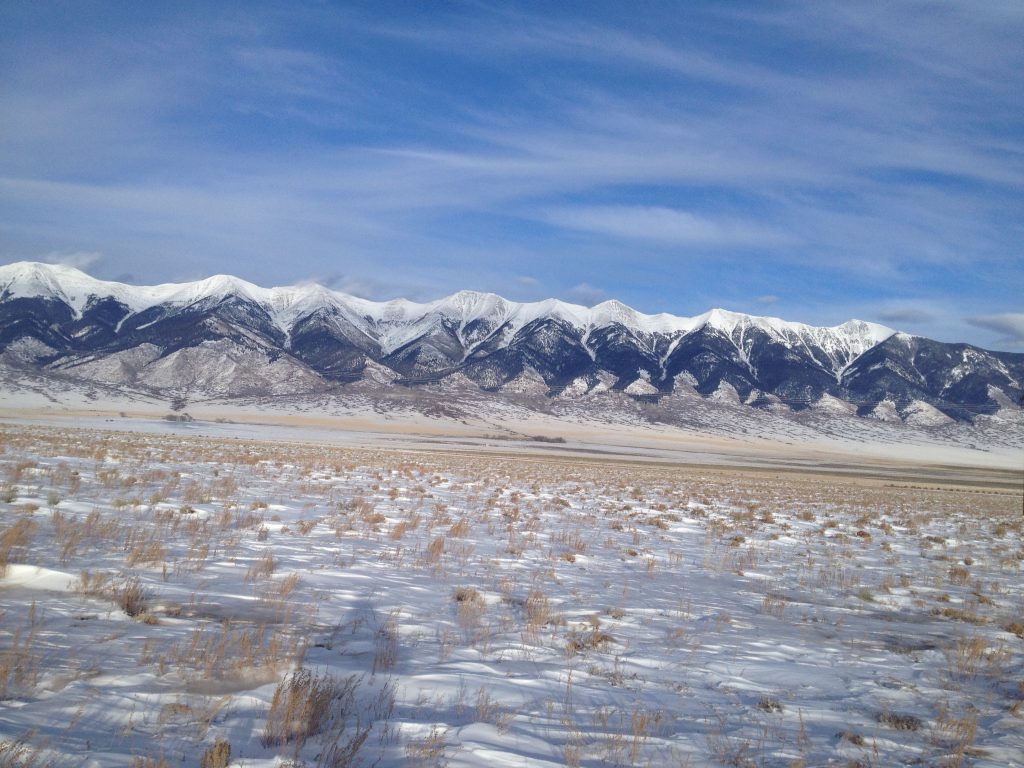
(768, 298)
(1010, 326)
(587, 294)
(905, 315)
(77, 259)
(370, 288)
(188, 148)
(666, 225)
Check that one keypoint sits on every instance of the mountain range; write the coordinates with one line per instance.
(224, 337)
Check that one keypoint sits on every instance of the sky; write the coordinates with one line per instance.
(811, 160)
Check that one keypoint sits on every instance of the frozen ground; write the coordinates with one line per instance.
(330, 605)
(681, 427)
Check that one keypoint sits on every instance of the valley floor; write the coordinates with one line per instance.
(264, 590)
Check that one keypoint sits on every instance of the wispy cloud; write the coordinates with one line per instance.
(77, 259)
(376, 290)
(1009, 326)
(904, 315)
(586, 294)
(870, 152)
(664, 225)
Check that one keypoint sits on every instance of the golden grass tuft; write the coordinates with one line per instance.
(302, 706)
(217, 756)
(15, 540)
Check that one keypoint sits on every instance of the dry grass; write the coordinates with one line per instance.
(900, 721)
(774, 605)
(151, 762)
(538, 611)
(434, 550)
(959, 575)
(131, 597)
(20, 661)
(218, 651)
(218, 755)
(535, 535)
(262, 567)
(21, 752)
(15, 540)
(956, 736)
(470, 608)
(129, 594)
(385, 651)
(304, 703)
(591, 640)
(967, 657)
(428, 751)
(466, 595)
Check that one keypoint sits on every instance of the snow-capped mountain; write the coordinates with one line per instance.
(223, 336)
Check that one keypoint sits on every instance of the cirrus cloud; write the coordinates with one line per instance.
(664, 225)
(870, 154)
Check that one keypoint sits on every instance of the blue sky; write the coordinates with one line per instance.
(812, 160)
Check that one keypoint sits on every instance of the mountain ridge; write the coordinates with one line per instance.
(17, 274)
(58, 320)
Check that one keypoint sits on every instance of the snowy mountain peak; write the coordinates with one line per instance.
(614, 311)
(468, 306)
(286, 304)
(25, 278)
(870, 334)
(857, 334)
(223, 336)
(218, 287)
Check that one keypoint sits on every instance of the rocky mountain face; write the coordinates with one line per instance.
(224, 337)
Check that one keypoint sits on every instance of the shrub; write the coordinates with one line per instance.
(262, 567)
(579, 642)
(21, 753)
(435, 549)
(538, 612)
(385, 647)
(217, 756)
(466, 595)
(428, 750)
(131, 597)
(769, 704)
(959, 575)
(14, 540)
(901, 722)
(302, 706)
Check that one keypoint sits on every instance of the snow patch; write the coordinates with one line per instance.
(26, 350)
(922, 413)
(378, 373)
(641, 385)
(1002, 399)
(831, 404)
(36, 577)
(528, 382)
(726, 393)
(885, 411)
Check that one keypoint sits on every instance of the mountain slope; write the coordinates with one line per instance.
(224, 337)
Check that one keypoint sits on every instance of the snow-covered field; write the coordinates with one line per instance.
(191, 600)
